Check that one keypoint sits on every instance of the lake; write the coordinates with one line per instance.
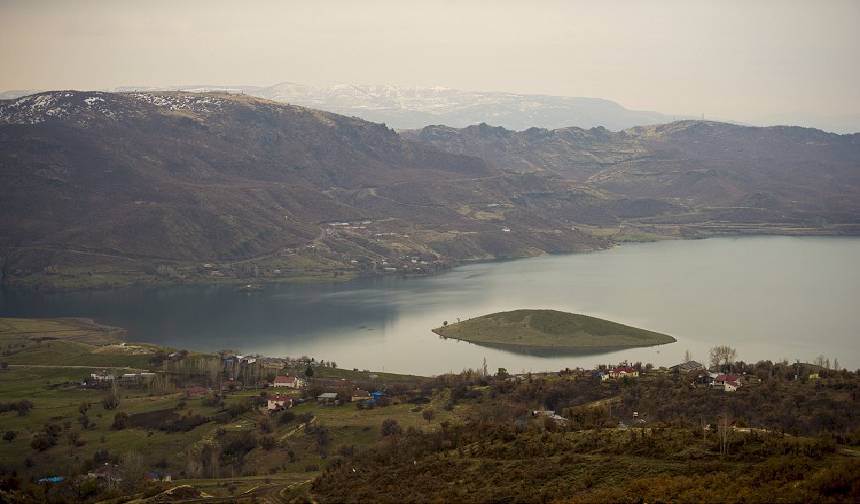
(769, 297)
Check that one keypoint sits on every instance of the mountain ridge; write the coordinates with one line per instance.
(699, 163)
(179, 177)
(415, 106)
(156, 184)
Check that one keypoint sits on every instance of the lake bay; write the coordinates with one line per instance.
(769, 297)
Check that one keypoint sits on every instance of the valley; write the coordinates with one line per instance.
(429, 252)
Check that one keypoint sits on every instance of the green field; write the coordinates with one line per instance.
(550, 329)
(68, 342)
(45, 361)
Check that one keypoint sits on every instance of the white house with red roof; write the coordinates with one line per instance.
(288, 381)
(727, 382)
(622, 371)
(279, 402)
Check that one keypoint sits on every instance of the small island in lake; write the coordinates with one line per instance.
(550, 329)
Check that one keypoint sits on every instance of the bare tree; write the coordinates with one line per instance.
(723, 354)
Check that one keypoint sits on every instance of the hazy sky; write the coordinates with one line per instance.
(740, 59)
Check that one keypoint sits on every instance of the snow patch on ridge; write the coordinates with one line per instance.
(178, 102)
(82, 108)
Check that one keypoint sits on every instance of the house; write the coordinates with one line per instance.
(703, 378)
(288, 381)
(360, 395)
(727, 382)
(327, 398)
(108, 474)
(623, 371)
(102, 379)
(687, 367)
(279, 402)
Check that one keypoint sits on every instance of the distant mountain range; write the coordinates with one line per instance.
(416, 107)
(156, 183)
(403, 108)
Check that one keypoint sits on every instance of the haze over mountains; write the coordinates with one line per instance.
(138, 180)
(415, 107)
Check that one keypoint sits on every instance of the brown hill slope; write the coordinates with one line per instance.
(214, 177)
(724, 171)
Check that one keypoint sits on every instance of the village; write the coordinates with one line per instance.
(259, 415)
(283, 383)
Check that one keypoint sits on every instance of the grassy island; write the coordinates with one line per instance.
(550, 329)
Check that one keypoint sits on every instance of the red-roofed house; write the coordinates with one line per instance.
(288, 381)
(622, 371)
(727, 382)
(279, 402)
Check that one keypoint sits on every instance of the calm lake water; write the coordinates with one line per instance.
(770, 297)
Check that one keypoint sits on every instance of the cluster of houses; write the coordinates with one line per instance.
(700, 375)
(619, 372)
(357, 396)
(713, 379)
(282, 401)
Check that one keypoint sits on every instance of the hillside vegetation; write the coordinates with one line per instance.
(706, 176)
(112, 188)
(550, 329)
(789, 434)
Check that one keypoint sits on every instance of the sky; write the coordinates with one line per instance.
(735, 59)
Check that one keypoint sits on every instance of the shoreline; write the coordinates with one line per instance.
(345, 276)
(552, 351)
